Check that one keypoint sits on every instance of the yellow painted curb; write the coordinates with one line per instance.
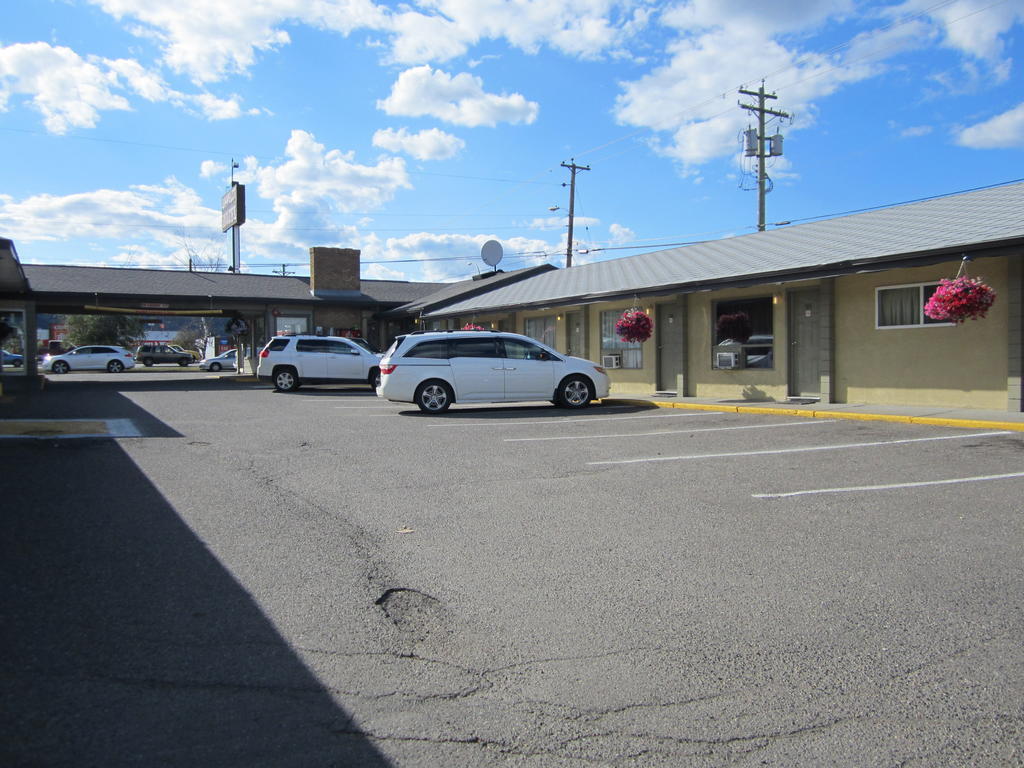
(934, 421)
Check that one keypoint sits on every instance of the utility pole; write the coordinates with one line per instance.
(758, 150)
(572, 204)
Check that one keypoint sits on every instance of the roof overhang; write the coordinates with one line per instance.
(1010, 247)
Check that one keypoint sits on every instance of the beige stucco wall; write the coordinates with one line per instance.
(959, 366)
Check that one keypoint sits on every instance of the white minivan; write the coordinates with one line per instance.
(437, 368)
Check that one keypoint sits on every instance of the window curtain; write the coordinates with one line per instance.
(899, 306)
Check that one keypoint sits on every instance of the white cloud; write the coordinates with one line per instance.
(460, 254)
(734, 42)
(162, 212)
(620, 234)
(432, 144)
(915, 131)
(1002, 131)
(69, 91)
(422, 91)
(210, 168)
(208, 42)
(313, 178)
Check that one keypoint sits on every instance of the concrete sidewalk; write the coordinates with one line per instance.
(932, 415)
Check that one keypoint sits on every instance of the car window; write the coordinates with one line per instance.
(276, 345)
(311, 345)
(474, 348)
(104, 351)
(82, 351)
(432, 349)
(523, 350)
(340, 347)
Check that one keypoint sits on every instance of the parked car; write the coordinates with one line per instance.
(224, 361)
(12, 360)
(90, 358)
(151, 354)
(291, 361)
(437, 368)
(190, 352)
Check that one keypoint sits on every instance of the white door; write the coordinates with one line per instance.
(478, 370)
(529, 371)
(311, 358)
(344, 361)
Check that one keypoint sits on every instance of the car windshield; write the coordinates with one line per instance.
(363, 343)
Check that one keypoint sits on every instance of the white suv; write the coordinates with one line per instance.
(291, 361)
(437, 368)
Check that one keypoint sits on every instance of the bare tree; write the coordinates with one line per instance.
(201, 257)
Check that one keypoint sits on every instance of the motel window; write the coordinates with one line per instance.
(628, 354)
(902, 306)
(743, 334)
(541, 328)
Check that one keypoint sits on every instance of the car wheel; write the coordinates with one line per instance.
(148, 362)
(286, 380)
(374, 380)
(434, 396)
(183, 362)
(115, 366)
(60, 367)
(214, 367)
(575, 392)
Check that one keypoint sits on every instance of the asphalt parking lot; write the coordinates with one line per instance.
(325, 578)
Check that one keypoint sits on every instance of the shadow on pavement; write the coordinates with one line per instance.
(126, 642)
(526, 410)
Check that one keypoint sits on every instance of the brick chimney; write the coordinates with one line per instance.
(333, 269)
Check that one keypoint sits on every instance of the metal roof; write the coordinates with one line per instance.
(942, 226)
(116, 281)
(450, 292)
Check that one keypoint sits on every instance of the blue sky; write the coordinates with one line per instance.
(418, 131)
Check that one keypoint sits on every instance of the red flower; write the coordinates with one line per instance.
(959, 299)
(634, 325)
(472, 327)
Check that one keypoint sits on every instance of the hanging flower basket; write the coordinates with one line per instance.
(634, 325)
(736, 327)
(958, 299)
(472, 327)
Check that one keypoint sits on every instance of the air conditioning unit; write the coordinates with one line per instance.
(611, 361)
(727, 359)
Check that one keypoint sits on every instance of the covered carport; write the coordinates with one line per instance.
(249, 307)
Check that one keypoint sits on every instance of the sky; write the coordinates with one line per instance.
(418, 131)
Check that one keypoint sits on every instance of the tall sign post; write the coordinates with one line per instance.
(232, 216)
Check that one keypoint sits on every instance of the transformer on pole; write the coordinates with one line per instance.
(754, 144)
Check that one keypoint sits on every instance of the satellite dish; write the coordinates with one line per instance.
(491, 253)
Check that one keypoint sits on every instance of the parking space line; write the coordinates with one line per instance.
(806, 449)
(891, 486)
(668, 432)
(557, 421)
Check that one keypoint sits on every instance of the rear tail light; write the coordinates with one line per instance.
(386, 369)
(264, 353)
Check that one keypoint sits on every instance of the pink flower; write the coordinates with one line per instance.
(634, 325)
(959, 299)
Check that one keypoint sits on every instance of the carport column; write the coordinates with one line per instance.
(826, 344)
(1015, 334)
(683, 379)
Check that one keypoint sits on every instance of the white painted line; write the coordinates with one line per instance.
(781, 451)
(855, 488)
(556, 421)
(122, 428)
(803, 423)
